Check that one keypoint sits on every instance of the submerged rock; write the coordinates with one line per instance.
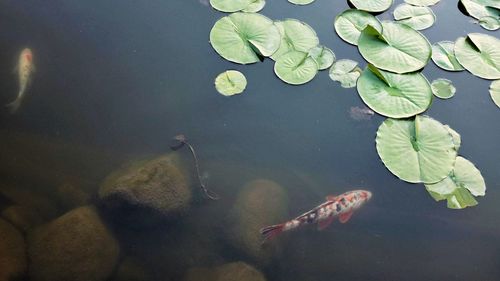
(239, 271)
(12, 252)
(71, 196)
(148, 190)
(33, 201)
(22, 217)
(260, 203)
(76, 246)
(130, 269)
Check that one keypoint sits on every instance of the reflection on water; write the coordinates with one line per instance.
(91, 191)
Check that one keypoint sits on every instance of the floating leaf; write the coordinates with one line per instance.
(495, 92)
(374, 6)
(230, 6)
(346, 72)
(245, 37)
(443, 88)
(295, 68)
(458, 187)
(418, 18)
(323, 56)
(394, 95)
(230, 83)
(422, 2)
(416, 150)
(479, 8)
(295, 36)
(301, 2)
(399, 48)
(479, 54)
(457, 139)
(444, 57)
(489, 23)
(350, 23)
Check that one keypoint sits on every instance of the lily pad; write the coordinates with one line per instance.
(230, 6)
(490, 23)
(295, 68)
(479, 54)
(323, 56)
(495, 92)
(230, 83)
(457, 139)
(443, 88)
(255, 6)
(480, 8)
(394, 95)
(245, 37)
(374, 6)
(399, 48)
(416, 150)
(346, 72)
(422, 2)
(350, 23)
(444, 57)
(459, 187)
(418, 18)
(295, 36)
(301, 2)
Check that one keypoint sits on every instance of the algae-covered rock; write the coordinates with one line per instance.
(239, 271)
(12, 252)
(148, 190)
(260, 203)
(32, 200)
(76, 246)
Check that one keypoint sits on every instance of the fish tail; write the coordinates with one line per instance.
(14, 106)
(269, 232)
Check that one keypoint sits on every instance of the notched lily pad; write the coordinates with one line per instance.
(230, 83)
(255, 6)
(323, 56)
(399, 48)
(295, 68)
(480, 8)
(301, 2)
(346, 72)
(230, 6)
(495, 92)
(460, 186)
(490, 23)
(394, 95)
(245, 37)
(295, 36)
(350, 23)
(374, 6)
(416, 150)
(479, 54)
(422, 3)
(444, 56)
(443, 88)
(418, 18)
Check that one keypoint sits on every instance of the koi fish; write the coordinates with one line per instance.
(25, 68)
(341, 206)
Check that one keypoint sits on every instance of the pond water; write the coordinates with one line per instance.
(115, 80)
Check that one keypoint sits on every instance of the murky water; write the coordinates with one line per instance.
(116, 80)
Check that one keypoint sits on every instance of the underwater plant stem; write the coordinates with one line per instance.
(210, 194)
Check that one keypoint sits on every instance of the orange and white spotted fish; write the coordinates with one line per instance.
(341, 206)
(25, 67)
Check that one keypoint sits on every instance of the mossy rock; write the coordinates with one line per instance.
(239, 271)
(12, 252)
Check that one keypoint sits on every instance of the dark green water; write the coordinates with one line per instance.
(117, 79)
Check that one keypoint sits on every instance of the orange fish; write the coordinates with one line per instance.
(25, 69)
(341, 206)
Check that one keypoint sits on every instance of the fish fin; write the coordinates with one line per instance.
(14, 106)
(325, 223)
(343, 218)
(269, 232)
(331, 198)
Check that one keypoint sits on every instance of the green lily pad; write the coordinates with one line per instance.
(479, 9)
(495, 92)
(416, 150)
(443, 88)
(295, 68)
(255, 6)
(374, 6)
(295, 36)
(460, 186)
(301, 2)
(422, 2)
(418, 18)
(230, 6)
(444, 56)
(323, 56)
(394, 95)
(457, 139)
(346, 72)
(230, 83)
(490, 23)
(399, 48)
(479, 54)
(350, 23)
(245, 37)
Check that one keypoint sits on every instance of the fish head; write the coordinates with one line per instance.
(365, 194)
(27, 54)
